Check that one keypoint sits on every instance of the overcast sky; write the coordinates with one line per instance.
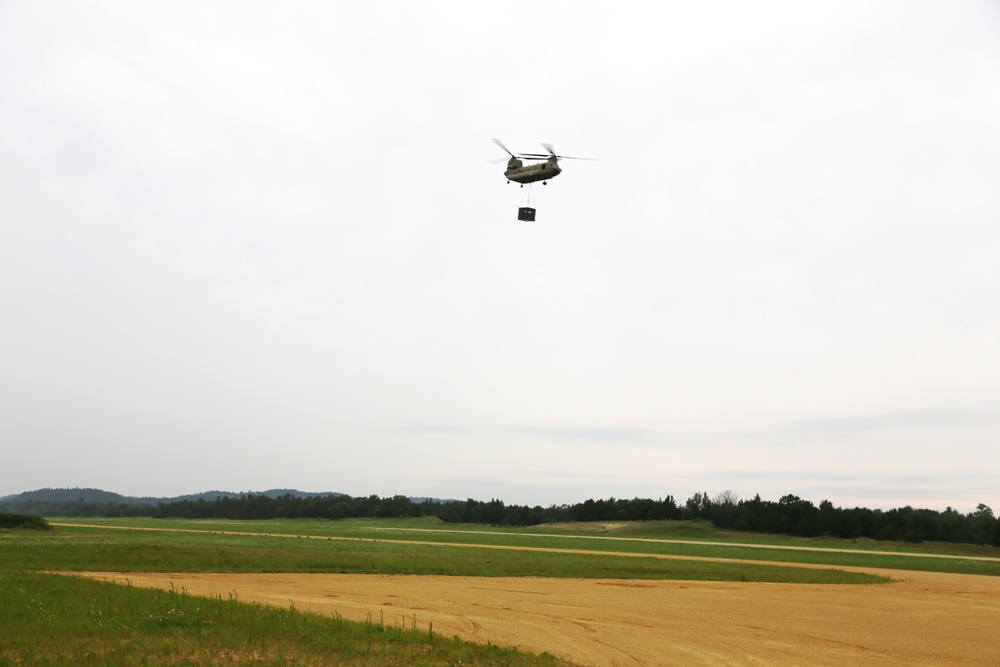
(250, 245)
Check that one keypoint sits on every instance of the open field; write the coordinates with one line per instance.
(924, 619)
(642, 595)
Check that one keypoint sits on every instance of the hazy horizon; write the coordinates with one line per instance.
(306, 492)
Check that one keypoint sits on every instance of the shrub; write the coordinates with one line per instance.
(10, 521)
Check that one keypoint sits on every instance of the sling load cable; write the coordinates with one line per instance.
(528, 198)
(526, 213)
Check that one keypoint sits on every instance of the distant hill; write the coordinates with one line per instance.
(75, 495)
(50, 497)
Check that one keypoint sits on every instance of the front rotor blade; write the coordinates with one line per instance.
(549, 148)
(500, 144)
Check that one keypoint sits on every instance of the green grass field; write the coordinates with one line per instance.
(683, 539)
(50, 619)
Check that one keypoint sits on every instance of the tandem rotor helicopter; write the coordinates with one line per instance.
(540, 171)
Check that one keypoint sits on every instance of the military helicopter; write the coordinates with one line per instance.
(543, 171)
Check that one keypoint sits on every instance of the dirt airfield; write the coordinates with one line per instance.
(921, 619)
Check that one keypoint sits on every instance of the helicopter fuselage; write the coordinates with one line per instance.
(541, 171)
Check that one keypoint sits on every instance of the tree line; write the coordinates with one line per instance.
(790, 515)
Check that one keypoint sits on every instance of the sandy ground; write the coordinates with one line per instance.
(922, 619)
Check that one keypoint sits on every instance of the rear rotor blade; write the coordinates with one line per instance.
(540, 156)
(552, 153)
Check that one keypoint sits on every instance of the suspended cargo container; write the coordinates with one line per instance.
(526, 213)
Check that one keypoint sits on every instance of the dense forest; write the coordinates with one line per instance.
(790, 515)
